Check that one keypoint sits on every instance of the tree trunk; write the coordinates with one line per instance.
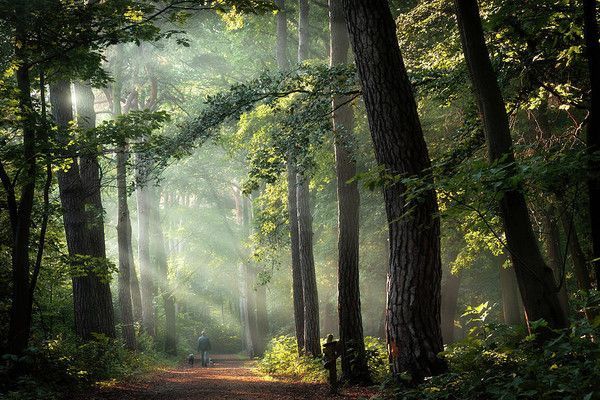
(512, 307)
(297, 290)
(592, 44)
(147, 286)
(283, 61)
(79, 188)
(555, 257)
(354, 362)
(162, 268)
(413, 286)
(303, 30)
(22, 294)
(450, 288)
(535, 278)
(262, 321)
(578, 259)
(312, 344)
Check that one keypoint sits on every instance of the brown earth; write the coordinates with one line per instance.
(229, 378)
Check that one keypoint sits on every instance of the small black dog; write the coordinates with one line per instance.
(191, 359)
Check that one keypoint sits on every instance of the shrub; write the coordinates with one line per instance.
(504, 363)
(281, 360)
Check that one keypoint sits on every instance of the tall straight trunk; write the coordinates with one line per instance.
(354, 361)
(147, 285)
(124, 235)
(580, 268)
(512, 307)
(414, 336)
(535, 278)
(555, 257)
(303, 30)
(80, 198)
(162, 268)
(297, 290)
(298, 296)
(592, 45)
(262, 321)
(312, 344)
(21, 216)
(282, 55)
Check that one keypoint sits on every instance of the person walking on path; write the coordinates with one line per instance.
(204, 348)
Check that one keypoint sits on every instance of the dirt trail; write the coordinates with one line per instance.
(229, 378)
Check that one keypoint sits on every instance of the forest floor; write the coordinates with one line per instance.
(229, 378)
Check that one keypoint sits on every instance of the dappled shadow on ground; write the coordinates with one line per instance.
(227, 379)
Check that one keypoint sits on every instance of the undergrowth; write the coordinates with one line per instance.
(63, 366)
(281, 360)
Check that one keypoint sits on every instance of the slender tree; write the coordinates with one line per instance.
(312, 332)
(512, 306)
(414, 336)
(354, 362)
(535, 278)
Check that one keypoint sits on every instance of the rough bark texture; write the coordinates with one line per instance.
(512, 307)
(312, 343)
(79, 188)
(535, 278)
(592, 37)
(413, 287)
(297, 290)
(354, 362)
(124, 237)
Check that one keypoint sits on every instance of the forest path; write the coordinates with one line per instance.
(229, 378)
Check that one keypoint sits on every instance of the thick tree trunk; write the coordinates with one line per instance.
(22, 294)
(80, 198)
(354, 362)
(147, 286)
(413, 287)
(162, 268)
(312, 344)
(536, 280)
(124, 236)
(592, 44)
(297, 290)
(512, 307)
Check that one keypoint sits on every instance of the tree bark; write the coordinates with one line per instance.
(450, 289)
(592, 37)
(535, 278)
(354, 362)
(297, 290)
(312, 344)
(555, 257)
(303, 30)
(124, 236)
(578, 258)
(147, 285)
(262, 321)
(413, 286)
(283, 60)
(79, 188)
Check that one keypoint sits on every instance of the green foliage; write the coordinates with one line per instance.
(504, 363)
(66, 364)
(281, 360)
